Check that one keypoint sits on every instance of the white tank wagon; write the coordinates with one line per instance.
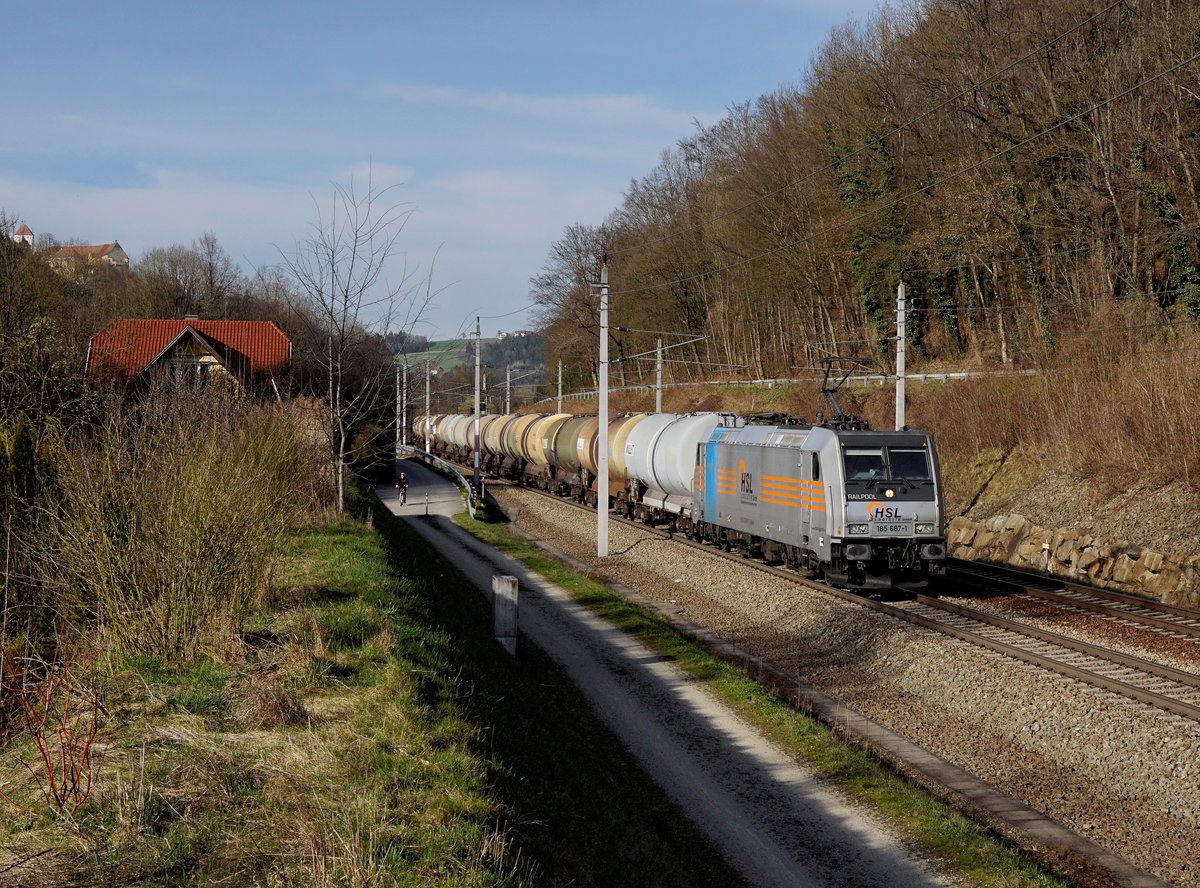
(661, 461)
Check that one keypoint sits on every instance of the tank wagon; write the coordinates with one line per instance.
(861, 508)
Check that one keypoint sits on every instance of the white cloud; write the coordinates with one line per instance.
(111, 134)
(172, 208)
(626, 111)
(382, 175)
(493, 226)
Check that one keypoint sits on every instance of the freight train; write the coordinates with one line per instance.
(859, 508)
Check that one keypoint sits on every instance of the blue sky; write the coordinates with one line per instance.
(502, 123)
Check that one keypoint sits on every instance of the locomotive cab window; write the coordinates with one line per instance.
(816, 467)
(864, 464)
(909, 465)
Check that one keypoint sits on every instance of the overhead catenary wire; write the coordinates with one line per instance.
(655, 351)
(646, 359)
(653, 332)
(508, 314)
(464, 325)
(941, 180)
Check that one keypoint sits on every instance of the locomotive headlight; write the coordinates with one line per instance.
(924, 528)
(859, 528)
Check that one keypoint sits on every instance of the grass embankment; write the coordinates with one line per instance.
(970, 852)
(368, 732)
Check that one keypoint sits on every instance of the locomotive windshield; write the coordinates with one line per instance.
(909, 465)
(901, 464)
(864, 465)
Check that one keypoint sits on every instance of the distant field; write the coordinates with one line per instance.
(445, 354)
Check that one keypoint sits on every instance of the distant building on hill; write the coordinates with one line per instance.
(91, 257)
(250, 352)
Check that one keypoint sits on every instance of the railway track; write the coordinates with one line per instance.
(1167, 689)
(1128, 610)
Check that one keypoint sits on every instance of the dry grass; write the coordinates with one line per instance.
(262, 701)
(1110, 406)
(309, 757)
(169, 519)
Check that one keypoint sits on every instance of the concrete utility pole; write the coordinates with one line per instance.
(478, 368)
(658, 379)
(427, 421)
(602, 444)
(507, 389)
(400, 425)
(900, 318)
(404, 409)
(558, 406)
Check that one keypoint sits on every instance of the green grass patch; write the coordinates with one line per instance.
(198, 689)
(380, 781)
(970, 851)
(368, 732)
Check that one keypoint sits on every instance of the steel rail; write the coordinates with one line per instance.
(1088, 675)
(1121, 606)
(1012, 651)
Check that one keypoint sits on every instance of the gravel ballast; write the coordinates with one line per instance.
(1125, 775)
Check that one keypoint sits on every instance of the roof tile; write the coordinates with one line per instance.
(128, 345)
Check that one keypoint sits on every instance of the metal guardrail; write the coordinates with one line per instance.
(877, 378)
(439, 464)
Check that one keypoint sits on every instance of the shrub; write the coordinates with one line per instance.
(170, 517)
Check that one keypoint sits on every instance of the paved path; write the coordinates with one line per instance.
(445, 498)
(773, 821)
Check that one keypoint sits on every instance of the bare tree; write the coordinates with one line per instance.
(220, 277)
(199, 279)
(345, 299)
(174, 278)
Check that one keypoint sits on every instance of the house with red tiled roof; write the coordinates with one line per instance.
(246, 351)
(24, 235)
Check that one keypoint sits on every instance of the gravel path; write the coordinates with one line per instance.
(1122, 774)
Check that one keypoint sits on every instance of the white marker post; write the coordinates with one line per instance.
(505, 608)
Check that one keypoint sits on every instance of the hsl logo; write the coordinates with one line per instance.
(880, 512)
(747, 478)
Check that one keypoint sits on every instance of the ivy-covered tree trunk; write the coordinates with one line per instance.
(1035, 280)
(1180, 285)
(876, 240)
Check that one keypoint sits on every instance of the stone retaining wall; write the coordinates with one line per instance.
(1075, 555)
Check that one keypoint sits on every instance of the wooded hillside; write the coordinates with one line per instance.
(1018, 164)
